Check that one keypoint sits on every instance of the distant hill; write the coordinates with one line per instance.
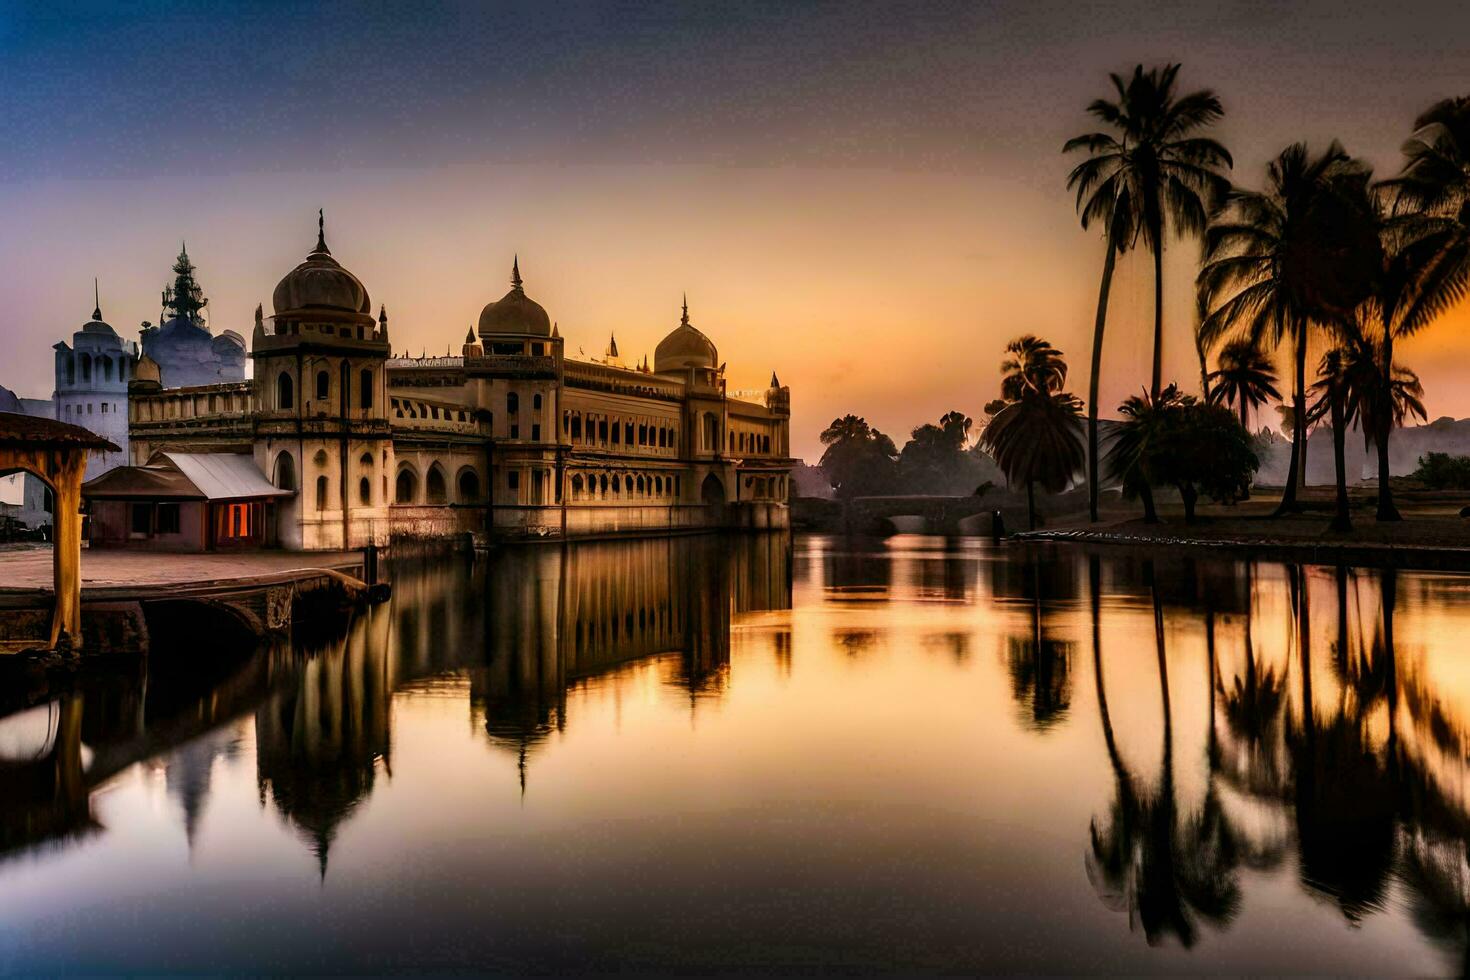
(1443, 435)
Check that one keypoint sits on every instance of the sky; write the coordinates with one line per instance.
(867, 198)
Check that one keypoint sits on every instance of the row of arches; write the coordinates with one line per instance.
(610, 430)
(622, 485)
(285, 390)
(85, 366)
(765, 487)
(435, 486)
(749, 442)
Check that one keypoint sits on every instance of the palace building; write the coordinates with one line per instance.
(510, 439)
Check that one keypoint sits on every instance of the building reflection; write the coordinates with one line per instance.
(523, 626)
(558, 617)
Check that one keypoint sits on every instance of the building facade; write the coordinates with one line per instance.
(510, 439)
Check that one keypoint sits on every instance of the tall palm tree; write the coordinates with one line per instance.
(1428, 231)
(1144, 174)
(1034, 434)
(1333, 385)
(1244, 378)
(1296, 255)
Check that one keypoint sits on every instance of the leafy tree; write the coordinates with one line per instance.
(1243, 377)
(1145, 173)
(1441, 471)
(859, 460)
(1304, 252)
(935, 460)
(1035, 435)
(1181, 442)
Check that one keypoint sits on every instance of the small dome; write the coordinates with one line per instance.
(98, 327)
(180, 328)
(684, 348)
(320, 283)
(515, 312)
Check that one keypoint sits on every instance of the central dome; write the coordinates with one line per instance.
(320, 283)
(515, 312)
(685, 347)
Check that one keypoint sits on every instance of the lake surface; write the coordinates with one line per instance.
(767, 753)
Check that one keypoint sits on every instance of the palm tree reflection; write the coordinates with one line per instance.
(1169, 874)
(1040, 665)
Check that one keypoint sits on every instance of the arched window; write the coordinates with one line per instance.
(321, 493)
(284, 396)
(365, 390)
(323, 386)
(106, 363)
(364, 491)
(86, 367)
(434, 485)
(512, 403)
(285, 472)
(604, 484)
(71, 369)
(469, 486)
(640, 484)
(576, 484)
(407, 487)
(617, 483)
(366, 461)
(711, 432)
(536, 401)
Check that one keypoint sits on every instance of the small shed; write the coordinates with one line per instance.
(184, 502)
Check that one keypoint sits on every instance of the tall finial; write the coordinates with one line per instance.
(96, 300)
(383, 314)
(515, 273)
(775, 381)
(183, 249)
(321, 231)
(684, 320)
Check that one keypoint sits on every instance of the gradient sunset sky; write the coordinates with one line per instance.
(867, 198)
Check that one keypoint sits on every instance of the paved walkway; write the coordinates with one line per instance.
(29, 567)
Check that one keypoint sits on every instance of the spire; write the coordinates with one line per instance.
(321, 232)
(515, 274)
(684, 320)
(184, 298)
(382, 314)
(469, 337)
(96, 300)
(555, 331)
(612, 345)
(775, 381)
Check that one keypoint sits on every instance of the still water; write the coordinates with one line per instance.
(767, 753)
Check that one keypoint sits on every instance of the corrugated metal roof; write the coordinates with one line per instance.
(160, 482)
(223, 476)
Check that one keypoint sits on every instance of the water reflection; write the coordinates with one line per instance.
(885, 753)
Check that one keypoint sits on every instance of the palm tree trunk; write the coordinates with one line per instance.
(1092, 386)
(1157, 383)
(1150, 515)
(1031, 503)
(1386, 510)
(1341, 521)
(1299, 424)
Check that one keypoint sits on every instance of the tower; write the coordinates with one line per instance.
(323, 429)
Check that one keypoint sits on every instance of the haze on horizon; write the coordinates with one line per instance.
(869, 201)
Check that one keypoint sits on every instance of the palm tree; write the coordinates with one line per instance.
(1244, 377)
(1034, 433)
(1334, 400)
(1293, 256)
(1148, 171)
(1428, 231)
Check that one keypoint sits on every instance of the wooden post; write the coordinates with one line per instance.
(66, 549)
